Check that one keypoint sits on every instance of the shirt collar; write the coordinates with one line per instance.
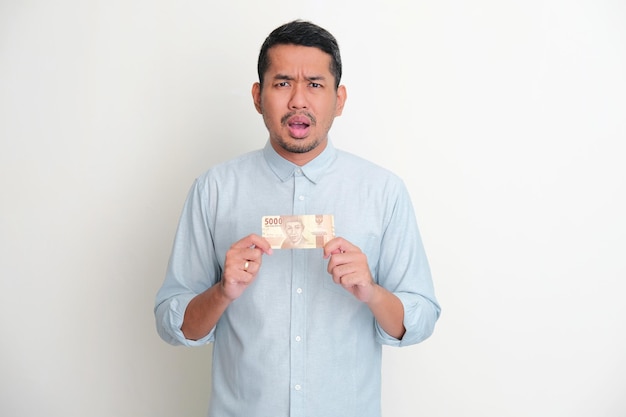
(312, 170)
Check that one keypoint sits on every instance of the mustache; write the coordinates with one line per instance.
(286, 117)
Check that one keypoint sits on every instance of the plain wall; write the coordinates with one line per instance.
(507, 120)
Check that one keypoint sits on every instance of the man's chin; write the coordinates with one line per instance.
(297, 145)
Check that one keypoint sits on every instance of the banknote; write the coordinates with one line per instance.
(306, 231)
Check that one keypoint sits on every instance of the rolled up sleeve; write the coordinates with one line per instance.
(192, 269)
(404, 270)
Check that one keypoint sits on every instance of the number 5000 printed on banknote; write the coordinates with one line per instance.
(304, 231)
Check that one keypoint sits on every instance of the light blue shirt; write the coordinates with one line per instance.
(295, 343)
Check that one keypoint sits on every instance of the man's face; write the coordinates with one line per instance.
(294, 231)
(298, 101)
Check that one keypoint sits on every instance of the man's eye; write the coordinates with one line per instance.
(315, 85)
(283, 84)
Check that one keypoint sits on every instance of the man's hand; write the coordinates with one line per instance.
(349, 268)
(242, 263)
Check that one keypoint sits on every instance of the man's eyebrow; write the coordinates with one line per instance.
(290, 78)
(283, 77)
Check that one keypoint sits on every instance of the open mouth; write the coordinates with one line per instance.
(298, 126)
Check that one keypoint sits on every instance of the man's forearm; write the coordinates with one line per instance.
(388, 312)
(203, 312)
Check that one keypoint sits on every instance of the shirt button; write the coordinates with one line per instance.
(301, 198)
(298, 338)
(298, 387)
(298, 171)
(299, 290)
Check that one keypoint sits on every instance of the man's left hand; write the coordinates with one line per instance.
(349, 268)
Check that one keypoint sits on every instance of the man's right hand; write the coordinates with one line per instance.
(242, 263)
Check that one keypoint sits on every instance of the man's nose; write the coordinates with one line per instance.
(298, 98)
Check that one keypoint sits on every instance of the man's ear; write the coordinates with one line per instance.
(256, 96)
(342, 96)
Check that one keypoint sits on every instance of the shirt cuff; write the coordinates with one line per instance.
(172, 322)
(420, 316)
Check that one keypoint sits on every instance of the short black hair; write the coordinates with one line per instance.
(299, 32)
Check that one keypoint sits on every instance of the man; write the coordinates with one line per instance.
(297, 332)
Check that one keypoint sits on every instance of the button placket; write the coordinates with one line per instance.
(298, 303)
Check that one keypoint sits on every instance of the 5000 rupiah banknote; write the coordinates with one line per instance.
(304, 231)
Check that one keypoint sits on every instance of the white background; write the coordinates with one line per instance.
(507, 120)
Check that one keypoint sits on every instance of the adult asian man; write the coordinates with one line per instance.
(297, 332)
